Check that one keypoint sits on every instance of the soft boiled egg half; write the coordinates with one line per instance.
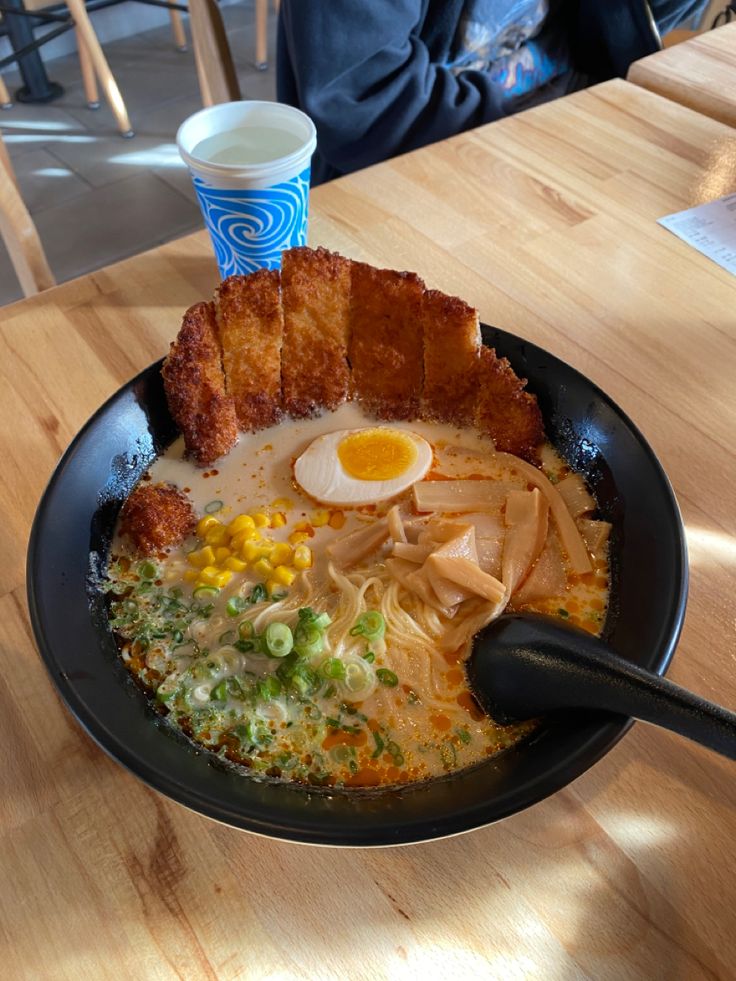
(362, 466)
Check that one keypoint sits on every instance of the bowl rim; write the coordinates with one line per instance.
(588, 752)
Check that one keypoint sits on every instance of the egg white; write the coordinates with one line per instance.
(319, 472)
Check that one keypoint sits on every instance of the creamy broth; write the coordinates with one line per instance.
(364, 708)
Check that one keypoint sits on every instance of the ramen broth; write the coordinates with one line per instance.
(361, 708)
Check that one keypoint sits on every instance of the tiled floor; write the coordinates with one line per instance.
(94, 196)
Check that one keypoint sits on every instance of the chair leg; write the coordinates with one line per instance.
(218, 80)
(261, 35)
(91, 92)
(20, 235)
(5, 100)
(101, 67)
(177, 28)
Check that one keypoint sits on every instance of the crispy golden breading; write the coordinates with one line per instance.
(451, 356)
(508, 414)
(315, 291)
(156, 517)
(195, 388)
(251, 326)
(385, 346)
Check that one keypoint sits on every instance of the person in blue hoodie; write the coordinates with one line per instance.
(380, 77)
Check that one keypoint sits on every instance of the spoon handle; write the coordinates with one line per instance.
(607, 681)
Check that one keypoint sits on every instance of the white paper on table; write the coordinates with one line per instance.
(709, 228)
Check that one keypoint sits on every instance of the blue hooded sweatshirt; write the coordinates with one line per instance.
(380, 77)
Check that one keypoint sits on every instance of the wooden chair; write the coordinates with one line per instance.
(262, 32)
(19, 233)
(218, 81)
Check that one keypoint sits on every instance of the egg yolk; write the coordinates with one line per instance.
(377, 454)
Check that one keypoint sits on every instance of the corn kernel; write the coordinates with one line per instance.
(283, 503)
(284, 575)
(191, 575)
(337, 520)
(302, 557)
(304, 526)
(207, 575)
(236, 565)
(263, 568)
(266, 546)
(280, 554)
(297, 537)
(202, 557)
(278, 520)
(223, 578)
(204, 524)
(320, 518)
(246, 535)
(221, 554)
(241, 523)
(217, 535)
(273, 587)
(261, 520)
(249, 551)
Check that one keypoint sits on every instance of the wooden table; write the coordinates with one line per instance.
(699, 73)
(546, 222)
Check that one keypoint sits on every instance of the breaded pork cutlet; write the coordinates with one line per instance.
(508, 414)
(195, 388)
(451, 357)
(250, 324)
(156, 517)
(315, 292)
(385, 348)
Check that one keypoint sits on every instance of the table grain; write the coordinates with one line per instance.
(699, 73)
(546, 222)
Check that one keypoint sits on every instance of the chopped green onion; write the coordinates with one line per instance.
(229, 637)
(245, 646)
(334, 723)
(269, 687)
(235, 605)
(463, 735)
(258, 594)
(379, 745)
(369, 656)
(148, 570)
(219, 692)
(358, 677)
(246, 630)
(130, 606)
(206, 592)
(329, 691)
(308, 639)
(387, 677)
(333, 667)
(278, 640)
(213, 507)
(563, 613)
(353, 730)
(370, 625)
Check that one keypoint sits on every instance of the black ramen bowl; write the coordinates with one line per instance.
(67, 553)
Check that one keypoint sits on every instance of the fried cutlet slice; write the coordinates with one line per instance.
(503, 410)
(250, 324)
(451, 357)
(385, 347)
(156, 517)
(315, 292)
(195, 387)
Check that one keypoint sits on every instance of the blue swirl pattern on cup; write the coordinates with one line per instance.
(251, 228)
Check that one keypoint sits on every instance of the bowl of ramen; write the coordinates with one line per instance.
(257, 571)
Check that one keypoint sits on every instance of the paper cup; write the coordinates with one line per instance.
(252, 211)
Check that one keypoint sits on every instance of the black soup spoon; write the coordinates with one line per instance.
(526, 665)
